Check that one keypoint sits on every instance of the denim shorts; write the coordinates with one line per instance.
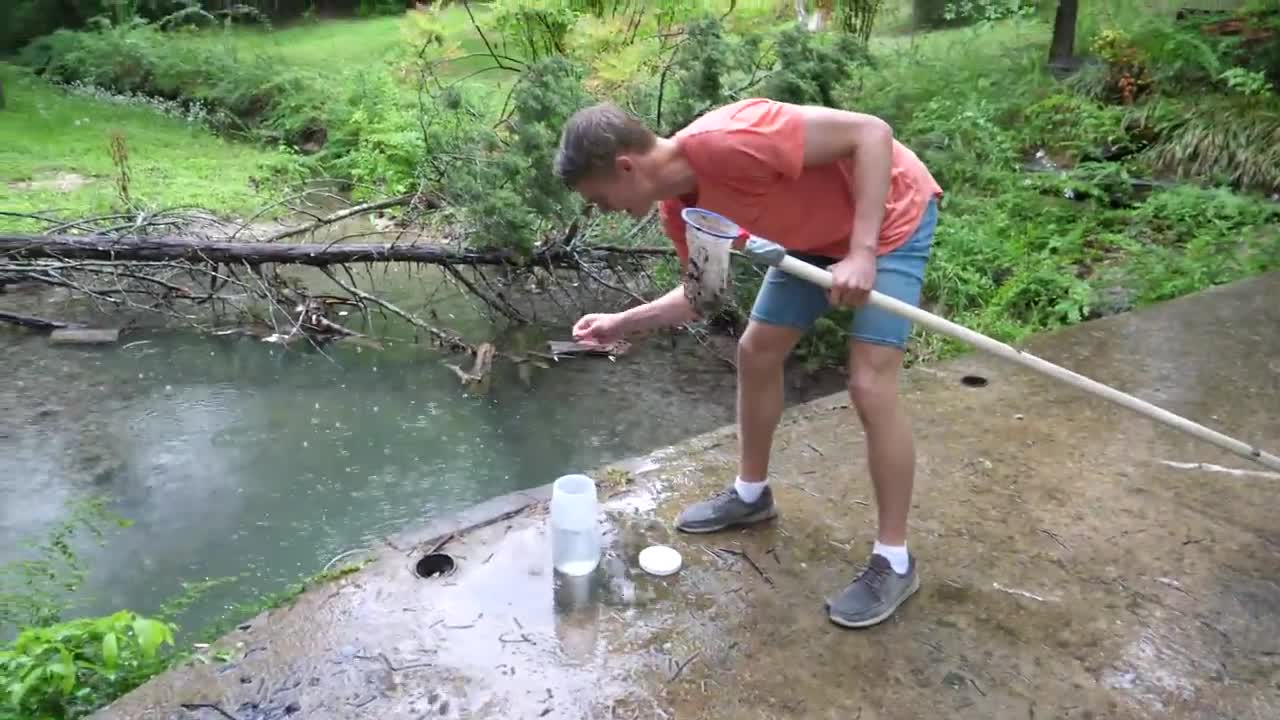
(793, 302)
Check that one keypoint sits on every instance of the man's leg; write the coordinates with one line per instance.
(785, 307)
(873, 388)
(762, 355)
(875, 360)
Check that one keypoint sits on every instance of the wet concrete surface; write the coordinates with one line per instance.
(1077, 560)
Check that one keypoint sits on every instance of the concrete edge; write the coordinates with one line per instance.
(482, 514)
(503, 507)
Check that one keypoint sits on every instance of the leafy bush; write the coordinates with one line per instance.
(251, 95)
(1227, 140)
(70, 669)
(1074, 126)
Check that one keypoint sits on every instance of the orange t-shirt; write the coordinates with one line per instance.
(749, 161)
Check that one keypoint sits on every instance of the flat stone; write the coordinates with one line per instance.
(1077, 561)
(84, 336)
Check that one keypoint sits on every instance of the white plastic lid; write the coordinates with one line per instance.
(660, 560)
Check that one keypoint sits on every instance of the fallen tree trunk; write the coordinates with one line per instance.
(196, 270)
(178, 249)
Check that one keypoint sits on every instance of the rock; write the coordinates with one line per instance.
(84, 336)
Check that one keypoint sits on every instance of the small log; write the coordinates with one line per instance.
(84, 336)
(560, 348)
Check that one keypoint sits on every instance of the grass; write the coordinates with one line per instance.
(348, 47)
(45, 131)
(330, 45)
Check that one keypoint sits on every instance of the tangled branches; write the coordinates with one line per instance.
(317, 283)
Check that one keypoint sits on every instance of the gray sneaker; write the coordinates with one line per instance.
(874, 595)
(724, 510)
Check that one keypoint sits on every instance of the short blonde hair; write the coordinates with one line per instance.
(594, 137)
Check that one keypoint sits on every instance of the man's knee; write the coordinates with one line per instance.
(873, 378)
(764, 348)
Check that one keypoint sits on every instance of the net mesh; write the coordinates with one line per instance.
(707, 280)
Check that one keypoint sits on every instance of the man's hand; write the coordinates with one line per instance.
(852, 279)
(599, 328)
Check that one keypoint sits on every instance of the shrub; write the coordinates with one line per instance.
(70, 669)
(1226, 140)
(257, 96)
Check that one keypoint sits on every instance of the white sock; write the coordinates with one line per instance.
(895, 554)
(750, 491)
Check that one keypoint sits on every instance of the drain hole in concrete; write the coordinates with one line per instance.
(434, 564)
(974, 381)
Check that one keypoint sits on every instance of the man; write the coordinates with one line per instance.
(834, 188)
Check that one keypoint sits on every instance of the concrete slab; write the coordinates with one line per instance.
(1078, 561)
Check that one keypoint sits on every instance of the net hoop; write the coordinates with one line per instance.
(711, 224)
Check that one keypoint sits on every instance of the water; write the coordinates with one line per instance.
(238, 460)
(576, 552)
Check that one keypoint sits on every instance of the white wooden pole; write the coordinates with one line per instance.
(823, 278)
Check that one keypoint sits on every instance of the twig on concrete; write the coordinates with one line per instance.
(524, 638)
(683, 665)
(340, 556)
(467, 626)
(743, 554)
(1055, 537)
(192, 707)
(1210, 467)
(815, 449)
(1170, 582)
(390, 665)
(1022, 593)
(932, 646)
(443, 541)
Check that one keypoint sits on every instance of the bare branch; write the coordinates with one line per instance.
(445, 338)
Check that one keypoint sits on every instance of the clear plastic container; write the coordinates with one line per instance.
(575, 531)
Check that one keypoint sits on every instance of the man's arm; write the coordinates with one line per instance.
(831, 135)
(671, 309)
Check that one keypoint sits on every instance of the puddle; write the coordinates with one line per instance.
(1154, 670)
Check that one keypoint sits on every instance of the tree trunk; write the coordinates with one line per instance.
(177, 249)
(1062, 49)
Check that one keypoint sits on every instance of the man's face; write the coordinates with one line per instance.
(626, 189)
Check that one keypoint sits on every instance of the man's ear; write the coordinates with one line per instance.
(624, 164)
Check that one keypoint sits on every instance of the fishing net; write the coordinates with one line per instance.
(707, 280)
